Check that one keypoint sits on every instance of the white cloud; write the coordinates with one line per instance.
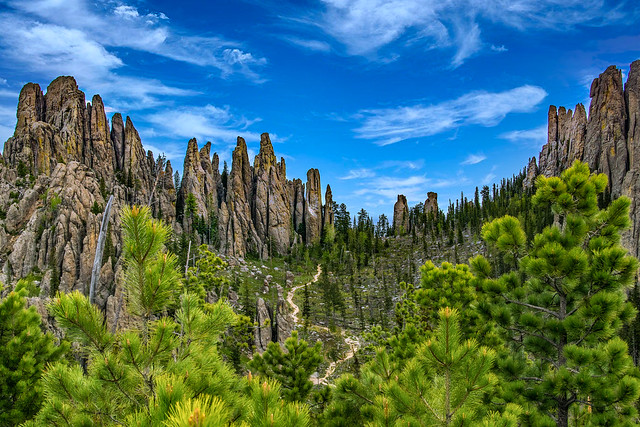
(314, 45)
(473, 159)
(391, 125)
(359, 174)
(4, 93)
(129, 12)
(101, 26)
(531, 137)
(365, 27)
(467, 40)
(402, 164)
(488, 178)
(208, 123)
(414, 187)
(7, 122)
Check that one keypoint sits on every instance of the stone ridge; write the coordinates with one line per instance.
(608, 141)
(257, 211)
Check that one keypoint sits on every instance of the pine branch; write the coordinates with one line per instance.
(533, 307)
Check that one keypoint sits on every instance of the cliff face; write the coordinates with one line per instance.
(609, 140)
(65, 159)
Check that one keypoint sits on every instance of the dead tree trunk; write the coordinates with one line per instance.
(97, 262)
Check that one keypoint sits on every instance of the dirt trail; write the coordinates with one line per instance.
(352, 341)
(296, 309)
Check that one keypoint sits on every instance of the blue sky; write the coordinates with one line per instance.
(403, 96)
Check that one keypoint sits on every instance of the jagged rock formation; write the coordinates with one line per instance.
(401, 215)
(296, 191)
(313, 207)
(274, 322)
(532, 173)
(328, 217)
(263, 332)
(271, 205)
(609, 140)
(431, 204)
(64, 160)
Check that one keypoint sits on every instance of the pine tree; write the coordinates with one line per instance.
(442, 385)
(25, 351)
(150, 273)
(205, 276)
(562, 303)
(444, 286)
(291, 368)
(164, 372)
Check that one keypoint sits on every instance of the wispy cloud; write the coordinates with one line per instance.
(126, 26)
(7, 121)
(385, 189)
(49, 38)
(309, 44)
(391, 125)
(4, 93)
(366, 27)
(359, 174)
(488, 178)
(207, 123)
(536, 137)
(473, 159)
(402, 164)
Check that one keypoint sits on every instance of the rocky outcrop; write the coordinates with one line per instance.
(328, 217)
(431, 204)
(238, 233)
(194, 179)
(298, 206)
(313, 207)
(271, 205)
(608, 141)
(100, 155)
(606, 144)
(64, 160)
(532, 173)
(263, 332)
(401, 215)
(565, 139)
(284, 321)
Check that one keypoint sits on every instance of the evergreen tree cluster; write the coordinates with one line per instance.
(527, 334)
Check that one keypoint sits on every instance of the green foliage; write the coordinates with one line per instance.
(166, 372)
(25, 353)
(191, 206)
(237, 345)
(135, 375)
(22, 169)
(443, 384)
(96, 208)
(54, 202)
(563, 304)
(292, 368)
(150, 276)
(103, 188)
(205, 276)
(266, 408)
(417, 312)
(28, 285)
(201, 412)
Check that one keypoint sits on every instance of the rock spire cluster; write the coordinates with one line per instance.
(608, 140)
(66, 157)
